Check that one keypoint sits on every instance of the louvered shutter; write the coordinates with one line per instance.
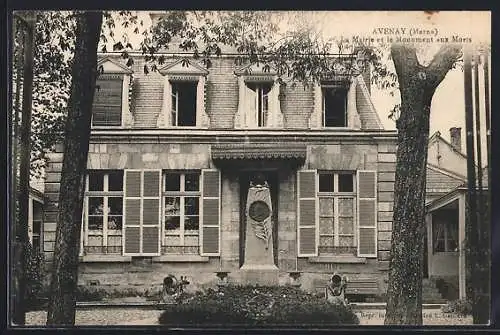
(142, 213)
(107, 106)
(151, 212)
(367, 213)
(210, 213)
(307, 223)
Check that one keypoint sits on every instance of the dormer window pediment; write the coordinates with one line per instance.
(184, 95)
(183, 67)
(111, 105)
(257, 70)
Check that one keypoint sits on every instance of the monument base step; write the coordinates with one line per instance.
(258, 274)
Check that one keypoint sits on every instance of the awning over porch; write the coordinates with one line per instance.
(259, 151)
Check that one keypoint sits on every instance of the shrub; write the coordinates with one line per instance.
(257, 305)
(90, 293)
(458, 307)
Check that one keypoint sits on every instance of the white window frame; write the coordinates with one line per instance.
(182, 194)
(174, 108)
(105, 194)
(260, 97)
(336, 195)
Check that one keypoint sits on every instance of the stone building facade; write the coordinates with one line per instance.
(171, 157)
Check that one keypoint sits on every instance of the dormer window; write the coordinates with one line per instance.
(334, 99)
(184, 95)
(258, 103)
(111, 97)
(183, 103)
(335, 104)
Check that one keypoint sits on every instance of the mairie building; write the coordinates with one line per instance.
(175, 155)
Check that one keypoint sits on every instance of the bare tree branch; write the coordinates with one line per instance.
(405, 59)
(442, 62)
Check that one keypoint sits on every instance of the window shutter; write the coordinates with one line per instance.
(307, 227)
(367, 213)
(151, 192)
(107, 106)
(210, 213)
(142, 213)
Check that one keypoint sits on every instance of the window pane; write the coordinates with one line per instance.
(191, 206)
(192, 181)
(186, 114)
(172, 206)
(172, 223)
(115, 181)
(326, 182)
(37, 227)
(191, 223)
(326, 206)
(115, 222)
(335, 107)
(326, 226)
(346, 241)
(95, 222)
(96, 181)
(173, 182)
(346, 226)
(172, 240)
(345, 183)
(326, 241)
(115, 205)
(96, 205)
(346, 206)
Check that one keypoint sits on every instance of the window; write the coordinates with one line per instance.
(261, 101)
(336, 212)
(334, 101)
(184, 103)
(445, 230)
(37, 233)
(181, 211)
(107, 107)
(103, 213)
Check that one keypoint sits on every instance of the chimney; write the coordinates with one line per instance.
(456, 138)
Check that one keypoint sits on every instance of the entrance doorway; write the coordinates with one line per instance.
(271, 176)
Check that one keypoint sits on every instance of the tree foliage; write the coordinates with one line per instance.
(52, 77)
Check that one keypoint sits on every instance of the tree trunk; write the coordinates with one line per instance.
(64, 279)
(21, 229)
(404, 305)
(417, 85)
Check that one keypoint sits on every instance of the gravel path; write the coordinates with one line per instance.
(102, 317)
(130, 316)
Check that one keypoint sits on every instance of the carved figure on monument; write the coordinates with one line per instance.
(259, 209)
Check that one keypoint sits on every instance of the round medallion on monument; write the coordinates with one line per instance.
(259, 211)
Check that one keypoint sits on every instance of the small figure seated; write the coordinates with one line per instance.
(173, 288)
(335, 290)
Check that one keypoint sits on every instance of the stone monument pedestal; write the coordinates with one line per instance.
(264, 275)
(258, 267)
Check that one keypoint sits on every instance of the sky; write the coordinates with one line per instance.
(448, 108)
